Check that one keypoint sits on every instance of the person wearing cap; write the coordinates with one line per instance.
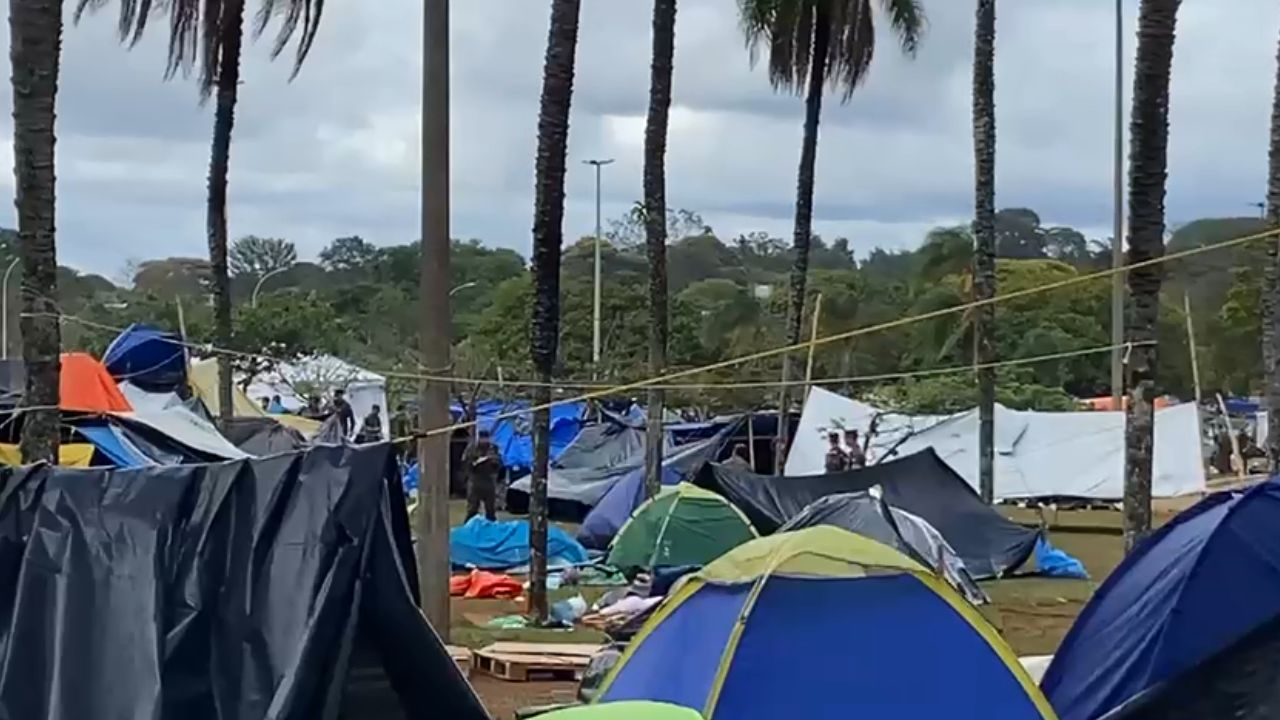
(837, 459)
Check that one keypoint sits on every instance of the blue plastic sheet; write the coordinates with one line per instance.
(1053, 562)
(512, 435)
(502, 544)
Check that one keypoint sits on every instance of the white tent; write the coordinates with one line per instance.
(323, 374)
(1038, 454)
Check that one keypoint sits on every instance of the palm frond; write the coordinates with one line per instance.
(785, 30)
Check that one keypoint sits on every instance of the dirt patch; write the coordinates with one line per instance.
(502, 698)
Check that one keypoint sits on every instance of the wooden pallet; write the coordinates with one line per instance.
(524, 662)
(461, 657)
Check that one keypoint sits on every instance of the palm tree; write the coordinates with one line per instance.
(211, 33)
(34, 46)
(548, 235)
(1271, 295)
(984, 231)
(655, 206)
(1148, 171)
(813, 43)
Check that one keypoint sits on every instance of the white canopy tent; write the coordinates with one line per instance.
(1038, 454)
(322, 375)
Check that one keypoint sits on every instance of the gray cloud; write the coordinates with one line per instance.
(335, 152)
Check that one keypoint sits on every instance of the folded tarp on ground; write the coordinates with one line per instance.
(1038, 454)
(249, 590)
(502, 544)
(922, 484)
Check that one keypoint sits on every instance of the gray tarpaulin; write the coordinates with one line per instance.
(273, 588)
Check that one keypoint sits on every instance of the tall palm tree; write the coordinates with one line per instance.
(548, 236)
(1271, 295)
(211, 33)
(813, 43)
(1148, 172)
(655, 205)
(35, 40)
(984, 232)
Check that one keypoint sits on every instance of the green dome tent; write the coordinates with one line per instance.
(683, 525)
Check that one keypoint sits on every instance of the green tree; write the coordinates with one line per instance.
(1148, 171)
(257, 256)
(35, 37)
(548, 235)
(348, 254)
(812, 43)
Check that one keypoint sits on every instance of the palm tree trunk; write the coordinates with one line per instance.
(35, 41)
(1148, 172)
(804, 214)
(231, 33)
(984, 232)
(548, 235)
(1271, 293)
(655, 202)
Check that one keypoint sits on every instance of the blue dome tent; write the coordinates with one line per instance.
(150, 358)
(1183, 611)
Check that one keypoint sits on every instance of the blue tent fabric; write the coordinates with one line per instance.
(115, 447)
(627, 494)
(502, 544)
(512, 435)
(1201, 583)
(921, 661)
(147, 357)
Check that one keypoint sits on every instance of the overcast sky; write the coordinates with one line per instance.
(336, 151)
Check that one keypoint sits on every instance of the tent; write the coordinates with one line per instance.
(274, 588)
(512, 435)
(322, 374)
(817, 624)
(69, 454)
(1077, 455)
(683, 525)
(922, 484)
(627, 492)
(1189, 621)
(86, 386)
(204, 384)
(147, 357)
(913, 536)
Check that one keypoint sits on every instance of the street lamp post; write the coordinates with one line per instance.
(253, 299)
(595, 306)
(462, 287)
(1117, 238)
(4, 309)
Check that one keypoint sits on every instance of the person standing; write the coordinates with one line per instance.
(371, 429)
(853, 449)
(837, 460)
(483, 466)
(346, 416)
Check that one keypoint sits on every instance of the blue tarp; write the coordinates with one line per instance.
(512, 435)
(502, 544)
(1242, 406)
(1200, 583)
(148, 357)
(108, 440)
(609, 514)
(1054, 562)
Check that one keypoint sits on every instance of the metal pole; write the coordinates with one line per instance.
(253, 299)
(432, 523)
(813, 344)
(4, 309)
(595, 307)
(1117, 239)
(1191, 343)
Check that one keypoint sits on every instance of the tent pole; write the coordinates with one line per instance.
(813, 340)
(1231, 434)
(751, 439)
(1191, 344)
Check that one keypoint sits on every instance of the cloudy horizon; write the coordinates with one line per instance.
(335, 152)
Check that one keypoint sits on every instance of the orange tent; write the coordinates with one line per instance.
(87, 386)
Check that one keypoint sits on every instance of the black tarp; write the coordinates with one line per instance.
(922, 484)
(263, 436)
(269, 588)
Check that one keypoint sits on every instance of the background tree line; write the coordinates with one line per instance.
(728, 298)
